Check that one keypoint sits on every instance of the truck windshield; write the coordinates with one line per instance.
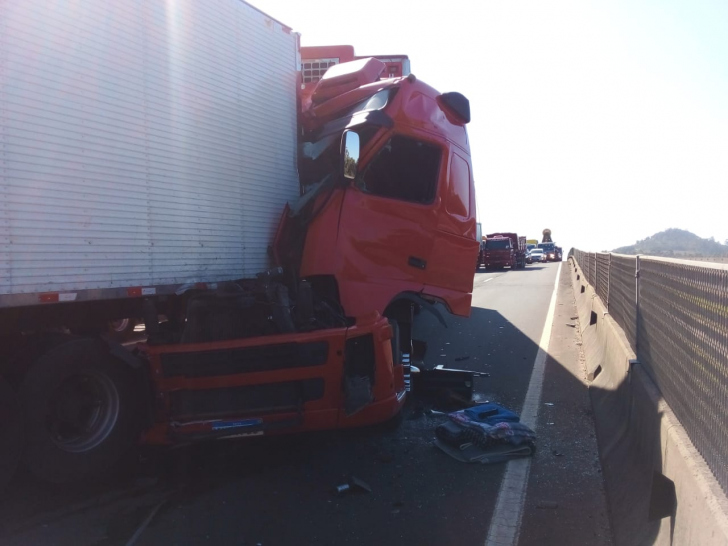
(405, 169)
(546, 247)
(498, 244)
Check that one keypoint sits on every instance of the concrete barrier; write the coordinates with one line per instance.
(659, 488)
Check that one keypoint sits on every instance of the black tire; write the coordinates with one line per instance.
(11, 432)
(121, 329)
(82, 412)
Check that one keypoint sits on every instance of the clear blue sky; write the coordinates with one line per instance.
(604, 121)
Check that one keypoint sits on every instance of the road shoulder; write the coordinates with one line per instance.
(565, 498)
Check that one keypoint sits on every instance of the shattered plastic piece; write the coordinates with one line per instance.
(353, 485)
(548, 403)
(341, 489)
(361, 484)
(461, 358)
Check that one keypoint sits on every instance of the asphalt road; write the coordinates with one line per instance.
(280, 491)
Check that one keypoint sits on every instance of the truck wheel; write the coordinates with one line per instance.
(82, 411)
(121, 329)
(11, 432)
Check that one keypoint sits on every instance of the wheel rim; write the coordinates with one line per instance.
(119, 325)
(83, 412)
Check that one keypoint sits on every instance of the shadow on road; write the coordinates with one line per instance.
(281, 490)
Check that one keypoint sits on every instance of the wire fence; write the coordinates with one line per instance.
(601, 284)
(621, 295)
(675, 315)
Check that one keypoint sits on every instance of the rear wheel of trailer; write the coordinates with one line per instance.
(82, 411)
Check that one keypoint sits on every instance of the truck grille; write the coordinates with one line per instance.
(244, 360)
(265, 398)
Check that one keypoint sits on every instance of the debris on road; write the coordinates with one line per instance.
(354, 484)
(461, 358)
(548, 403)
(343, 488)
(360, 484)
(445, 388)
(486, 434)
(145, 523)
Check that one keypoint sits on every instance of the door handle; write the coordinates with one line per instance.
(419, 263)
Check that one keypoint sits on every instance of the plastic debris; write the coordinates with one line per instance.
(354, 484)
(360, 484)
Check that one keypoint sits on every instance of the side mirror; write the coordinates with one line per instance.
(349, 154)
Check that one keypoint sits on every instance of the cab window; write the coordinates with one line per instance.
(458, 195)
(405, 169)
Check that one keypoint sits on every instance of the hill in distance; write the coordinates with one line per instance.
(675, 243)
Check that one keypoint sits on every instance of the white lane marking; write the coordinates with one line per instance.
(506, 521)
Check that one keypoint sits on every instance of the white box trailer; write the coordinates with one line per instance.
(144, 145)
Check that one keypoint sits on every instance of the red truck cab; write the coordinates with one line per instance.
(498, 252)
(406, 224)
(386, 220)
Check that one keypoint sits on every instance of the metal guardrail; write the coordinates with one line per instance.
(675, 315)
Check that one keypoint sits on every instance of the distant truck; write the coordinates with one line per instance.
(496, 253)
(519, 247)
